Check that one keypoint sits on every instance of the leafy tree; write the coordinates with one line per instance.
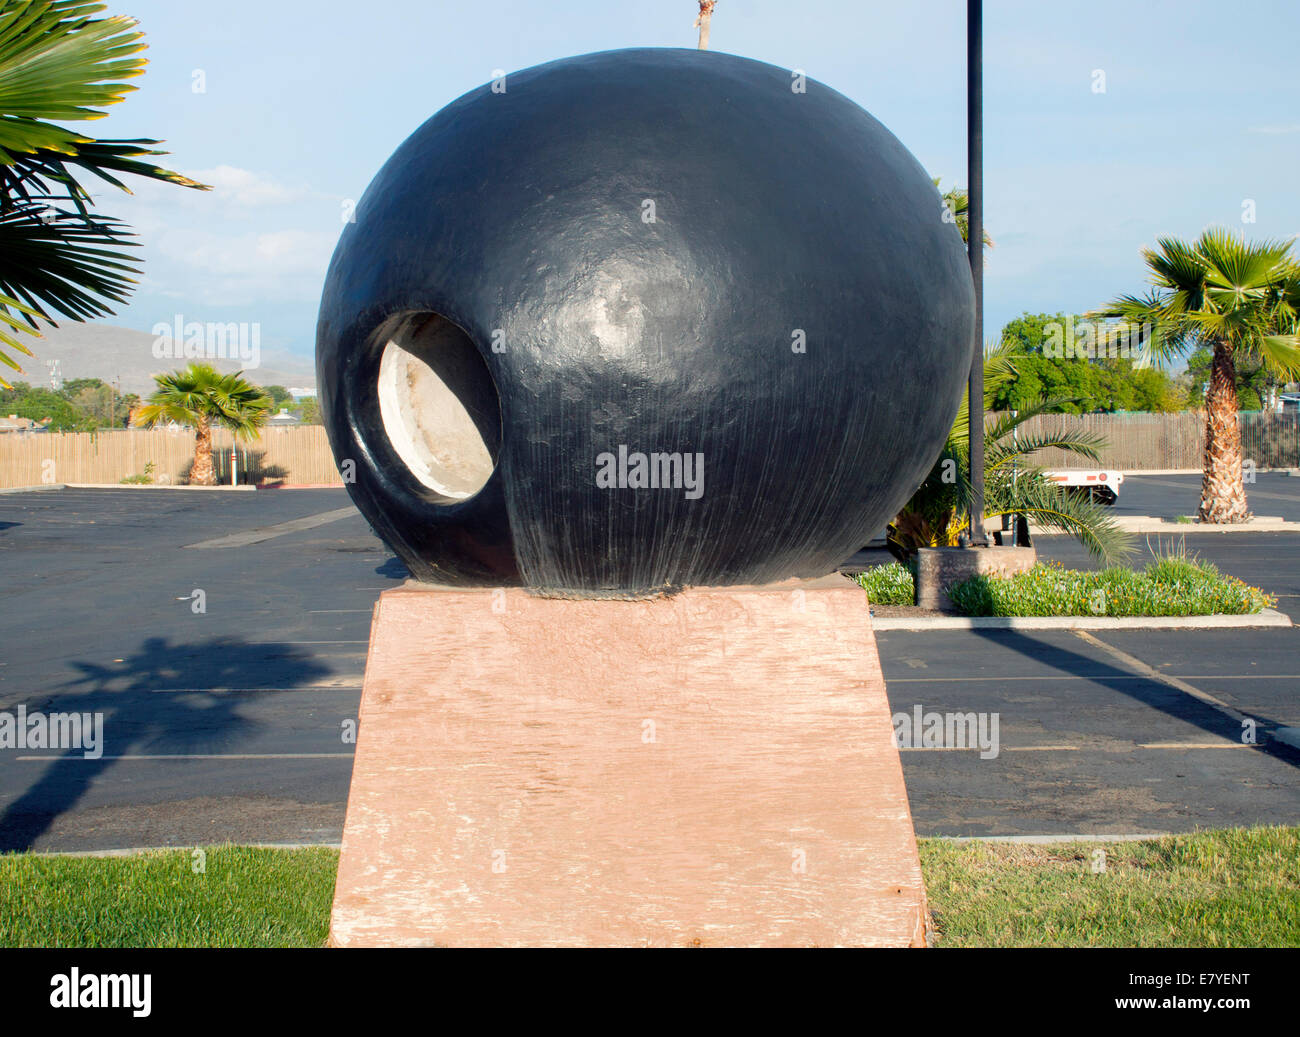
(1154, 390)
(79, 405)
(1083, 383)
(309, 411)
(1239, 301)
(59, 62)
(72, 386)
(202, 396)
(280, 396)
(39, 403)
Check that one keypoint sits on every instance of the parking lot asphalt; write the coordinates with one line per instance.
(223, 715)
(225, 710)
(1169, 496)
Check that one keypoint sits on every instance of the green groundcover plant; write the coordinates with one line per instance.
(890, 584)
(1172, 586)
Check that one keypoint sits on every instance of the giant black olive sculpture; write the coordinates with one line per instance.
(640, 320)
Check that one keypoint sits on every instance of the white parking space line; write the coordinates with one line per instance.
(1199, 745)
(197, 756)
(1053, 678)
(1079, 748)
(976, 749)
(1133, 662)
(345, 684)
(256, 536)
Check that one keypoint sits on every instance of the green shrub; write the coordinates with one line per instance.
(141, 480)
(887, 584)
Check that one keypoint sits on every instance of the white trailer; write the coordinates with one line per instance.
(1101, 486)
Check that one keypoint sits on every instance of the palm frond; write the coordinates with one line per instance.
(64, 265)
(999, 424)
(1049, 505)
(59, 61)
(8, 303)
(1176, 265)
(1237, 265)
(1166, 335)
(1281, 355)
(1075, 441)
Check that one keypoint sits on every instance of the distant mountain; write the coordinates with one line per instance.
(108, 352)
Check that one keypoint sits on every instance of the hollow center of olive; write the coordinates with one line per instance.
(439, 405)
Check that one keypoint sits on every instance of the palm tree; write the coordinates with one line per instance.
(703, 19)
(202, 396)
(58, 62)
(957, 201)
(1237, 299)
(1013, 484)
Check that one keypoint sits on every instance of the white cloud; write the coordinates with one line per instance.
(268, 254)
(248, 241)
(244, 187)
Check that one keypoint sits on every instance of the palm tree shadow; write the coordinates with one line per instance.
(163, 699)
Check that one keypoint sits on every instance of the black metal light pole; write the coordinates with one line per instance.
(975, 249)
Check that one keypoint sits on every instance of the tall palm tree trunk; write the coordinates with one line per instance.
(202, 473)
(1223, 494)
(702, 20)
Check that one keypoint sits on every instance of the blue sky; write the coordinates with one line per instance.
(303, 102)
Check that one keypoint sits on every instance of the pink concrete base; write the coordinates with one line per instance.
(710, 769)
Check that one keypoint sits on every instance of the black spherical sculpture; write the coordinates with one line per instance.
(641, 320)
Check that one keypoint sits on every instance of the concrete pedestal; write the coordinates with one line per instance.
(711, 769)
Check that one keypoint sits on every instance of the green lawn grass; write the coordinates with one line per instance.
(1228, 888)
(243, 897)
(1236, 887)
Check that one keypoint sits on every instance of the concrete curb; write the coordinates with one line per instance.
(1267, 618)
(149, 486)
(136, 851)
(1286, 735)
(1049, 840)
(1026, 840)
(302, 486)
(242, 488)
(1126, 472)
(1152, 524)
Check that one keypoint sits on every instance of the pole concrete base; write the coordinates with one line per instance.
(710, 769)
(938, 569)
